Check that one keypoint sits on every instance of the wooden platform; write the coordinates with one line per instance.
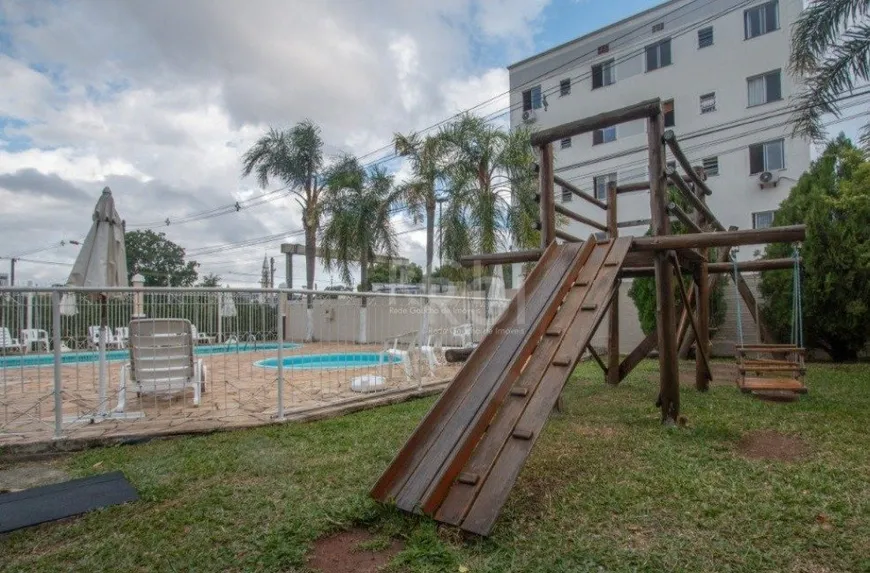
(464, 457)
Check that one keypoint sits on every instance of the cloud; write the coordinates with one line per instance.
(32, 182)
(159, 100)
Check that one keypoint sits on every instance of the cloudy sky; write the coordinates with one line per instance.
(159, 99)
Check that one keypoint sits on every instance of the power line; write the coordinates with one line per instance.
(263, 199)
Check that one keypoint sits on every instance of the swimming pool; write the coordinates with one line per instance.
(28, 360)
(341, 360)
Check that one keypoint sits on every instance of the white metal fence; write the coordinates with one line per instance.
(265, 354)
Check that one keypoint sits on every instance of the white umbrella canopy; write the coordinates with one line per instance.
(227, 305)
(102, 263)
(102, 260)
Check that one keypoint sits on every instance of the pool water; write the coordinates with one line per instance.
(16, 361)
(342, 360)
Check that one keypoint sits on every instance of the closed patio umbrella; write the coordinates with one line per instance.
(102, 263)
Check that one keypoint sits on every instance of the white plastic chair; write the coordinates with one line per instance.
(122, 335)
(9, 344)
(162, 362)
(199, 337)
(94, 338)
(34, 338)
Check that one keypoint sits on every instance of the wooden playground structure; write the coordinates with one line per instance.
(461, 462)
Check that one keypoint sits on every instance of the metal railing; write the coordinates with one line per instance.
(264, 354)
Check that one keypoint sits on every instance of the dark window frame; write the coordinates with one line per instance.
(766, 77)
(758, 156)
(661, 54)
(598, 74)
(565, 87)
(708, 171)
(598, 135)
(764, 8)
(702, 41)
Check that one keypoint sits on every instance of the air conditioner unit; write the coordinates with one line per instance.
(767, 179)
(529, 116)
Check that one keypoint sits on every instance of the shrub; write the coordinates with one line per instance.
(833, 199)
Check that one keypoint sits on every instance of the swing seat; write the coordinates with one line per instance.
(750, 385)
(770, 368)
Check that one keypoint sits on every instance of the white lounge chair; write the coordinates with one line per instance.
(199, 337)
(94, 338)
(122, 335)
(34, 338)
(9, 344)
(161, 360)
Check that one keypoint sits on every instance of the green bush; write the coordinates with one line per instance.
(643, 290)
(833, 200)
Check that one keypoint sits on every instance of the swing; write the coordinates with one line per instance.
(773, 368)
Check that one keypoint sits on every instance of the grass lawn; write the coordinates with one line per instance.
(606, 489)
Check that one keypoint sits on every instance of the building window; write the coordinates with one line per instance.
(765, 88)
(566, 195)
(767, 156)
(668, 110)
(658, 55)
(658, 27)
(711, 166)
(605, 135)
(708, 102)
(603, 74)
(565, 87)
(760, 20)
(603, 49)
(763, 219)
(601, 182)
(566, 143)
(532, 99)
(705, 37)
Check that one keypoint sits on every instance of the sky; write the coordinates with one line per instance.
(158, 100)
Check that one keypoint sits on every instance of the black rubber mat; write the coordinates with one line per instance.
(57, 501)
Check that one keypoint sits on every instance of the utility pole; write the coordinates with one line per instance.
(272, 273)
(12, 262)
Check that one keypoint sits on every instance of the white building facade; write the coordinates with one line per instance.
(719, 66)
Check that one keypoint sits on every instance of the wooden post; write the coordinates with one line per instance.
(548, 200)
(613, 331)
(702, 286)
(669, 381)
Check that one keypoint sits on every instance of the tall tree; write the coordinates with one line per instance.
(158, 259)
(484, 161)
(210, 280)
(831, 50)
(295, 157)
(419, 194)
(833, 199)
(358, 204)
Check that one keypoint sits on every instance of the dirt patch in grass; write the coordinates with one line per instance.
(771, 445)
(353, 551)
(24, 476)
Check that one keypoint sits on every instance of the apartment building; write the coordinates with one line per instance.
(719, 66)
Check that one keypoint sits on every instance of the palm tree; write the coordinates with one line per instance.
(419, 194)
(359, 206)
(831, 50)
(484, 162)
(295, 157)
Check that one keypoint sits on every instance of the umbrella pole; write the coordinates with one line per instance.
(102, 356)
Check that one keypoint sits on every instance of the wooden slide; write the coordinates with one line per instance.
(460, 463)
